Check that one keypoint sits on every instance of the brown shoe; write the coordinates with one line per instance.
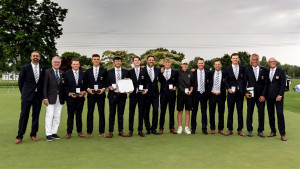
(68, 136)
(283, 138)
(88, 135)
(18, 141)
(205, 132)
(229, 132)
(160, 131)
(141, 134)
(110, 135)
(130, 134)
(173, 131)
(102, 135)
(33, 138)
(122, 134)
(221, 132)
(271, 134)
(193, 131)
(212, 132)
(241, 133)
(81, 135)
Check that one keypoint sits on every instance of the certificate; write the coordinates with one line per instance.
(125, 85)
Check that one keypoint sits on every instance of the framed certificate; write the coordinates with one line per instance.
(125, 85)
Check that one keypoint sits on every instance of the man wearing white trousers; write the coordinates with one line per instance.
(54, 98)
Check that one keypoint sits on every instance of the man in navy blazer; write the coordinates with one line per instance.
(116, 99)
(96, 78)
(30, 84)
(168, 85)
(235, 85)
(200, 94)
(140, 80)
(152, 96)
(217, 96)
(256, 78)
(276, 89)
(75, 89)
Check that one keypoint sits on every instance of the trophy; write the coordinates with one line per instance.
(186, 90)
(171, 87)
(77, 92)
(250, 90)
(233, 89)
(96, 90)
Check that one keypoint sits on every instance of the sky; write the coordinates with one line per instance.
(205, 28)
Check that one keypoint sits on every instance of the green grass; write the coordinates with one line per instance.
(164, 151)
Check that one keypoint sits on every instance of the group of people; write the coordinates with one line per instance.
(189, 87)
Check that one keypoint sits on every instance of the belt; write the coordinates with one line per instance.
(217, 94)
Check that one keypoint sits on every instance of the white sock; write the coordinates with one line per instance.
(179, 126)
(186, 126)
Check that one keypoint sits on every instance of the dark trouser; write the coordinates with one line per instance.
(117, 102)
(213, 100)
(232, 99)
(136, 99)
(154, 100)
(75, 106)
(164, 101)
(202, 98)
(36, 104)
(280, 116)
(261, 114)
(92, 100)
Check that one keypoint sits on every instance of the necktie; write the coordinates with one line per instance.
(201, 83)
(150, 74)
(96, 74)
(36, 74)
(167, 74)
(217, 82)
(137, 73)
(118, 75)
(76, 77)
(236, 72)
(57, 77)
(271, 75)
(255, 73)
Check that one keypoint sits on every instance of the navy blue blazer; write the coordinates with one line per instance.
(70, 83)
(153, 86)
(277, 86)
(164, 84)
(143, 80)
(27, 84)
(260, 86)
(232, 81)
(111, 79)
(101, 80)
(206, 82)
(223, 88)
(50, 87)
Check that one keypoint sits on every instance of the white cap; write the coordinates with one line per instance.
(184, 61)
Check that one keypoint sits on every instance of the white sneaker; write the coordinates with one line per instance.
(187, 130)
(179, 131)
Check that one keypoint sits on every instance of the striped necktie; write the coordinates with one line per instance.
(36, 77)
(57, 77)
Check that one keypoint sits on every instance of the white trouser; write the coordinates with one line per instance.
(52, 120)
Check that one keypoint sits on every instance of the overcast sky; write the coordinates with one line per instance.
(209, 28)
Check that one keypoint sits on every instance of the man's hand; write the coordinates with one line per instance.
(248, 95)
(72, 95)
(111, 88)
(101, 91)
(174, 88)
(278, 98)
(90, 91)
(193, 70)
(46, 102)
(189, 92)
(230, 91)
(162, 69)
(145, 91)
(82, 94)
(262, 99)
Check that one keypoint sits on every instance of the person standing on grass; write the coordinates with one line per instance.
(168, 85)
(75, 89)
(256, 77)
(184, 97)
(276, 89)
(54, 98)
(96, 78)
(31, 88)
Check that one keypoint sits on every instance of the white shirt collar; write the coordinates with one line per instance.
(117, 68)
(235, 66)
(74, 71)
(149, 67)
(33, 65)
(96, 67)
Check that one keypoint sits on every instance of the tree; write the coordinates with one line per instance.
(108, 56)
(264, 62)
(161, 53)
(28, 26)
(85, 62)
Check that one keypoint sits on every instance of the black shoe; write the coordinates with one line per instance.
(261, 134)
(205, 132)
(154, 132)
(250, 133)
(55, 136)
(148, 132)
(49, 138)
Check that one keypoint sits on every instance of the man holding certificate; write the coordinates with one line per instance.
(117, 100)
(140, 80)
(96, 78)
(256, 80)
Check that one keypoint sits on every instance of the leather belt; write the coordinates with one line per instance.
(217, 94)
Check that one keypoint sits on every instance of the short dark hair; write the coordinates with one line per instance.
(200, 59)
(234, 54)
(75, 60)
(136, 57)
(150, 57)
(217, 61)
(117, 58)
(95, 55)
